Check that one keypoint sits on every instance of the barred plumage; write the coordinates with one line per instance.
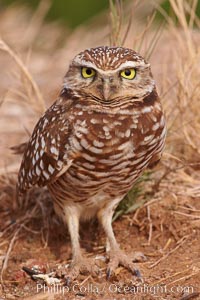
(93, 143)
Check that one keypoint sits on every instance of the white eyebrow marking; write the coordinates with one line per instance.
(127, 64)
(133, 64)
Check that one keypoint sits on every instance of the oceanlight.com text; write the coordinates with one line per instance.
(114, 289)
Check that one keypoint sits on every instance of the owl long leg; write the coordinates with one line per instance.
(116, 255)
(73, 227)
(80, 264)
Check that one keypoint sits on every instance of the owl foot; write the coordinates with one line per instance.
(119, 258)
(83, 266)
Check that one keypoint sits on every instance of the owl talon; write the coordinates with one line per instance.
(68, 281)
(108, 273)
(137, 273)
(82, 266)
(118, 258)
(138, 257)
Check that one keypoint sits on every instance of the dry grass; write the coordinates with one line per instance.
(31, 88)
(32, 69)
(183, 115)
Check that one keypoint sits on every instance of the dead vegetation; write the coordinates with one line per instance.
(166, 224)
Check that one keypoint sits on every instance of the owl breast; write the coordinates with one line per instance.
(113, 150)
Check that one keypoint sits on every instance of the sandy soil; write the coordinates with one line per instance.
(160, 229)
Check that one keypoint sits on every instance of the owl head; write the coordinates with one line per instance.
(108, 74)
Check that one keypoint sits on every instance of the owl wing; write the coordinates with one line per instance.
(47, 153)
(152, 123)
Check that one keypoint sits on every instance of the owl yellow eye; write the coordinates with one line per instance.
(87, 72)
(128, 73)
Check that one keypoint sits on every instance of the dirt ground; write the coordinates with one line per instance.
(166, 225)
(161, 229)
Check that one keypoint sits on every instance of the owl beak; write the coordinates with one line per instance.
(106, 90)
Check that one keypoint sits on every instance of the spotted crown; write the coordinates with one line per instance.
(109, 58)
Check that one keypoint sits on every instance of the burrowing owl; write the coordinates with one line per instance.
(91, 145)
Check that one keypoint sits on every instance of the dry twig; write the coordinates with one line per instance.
(41, 107)
(179, 244)
(5, 263)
